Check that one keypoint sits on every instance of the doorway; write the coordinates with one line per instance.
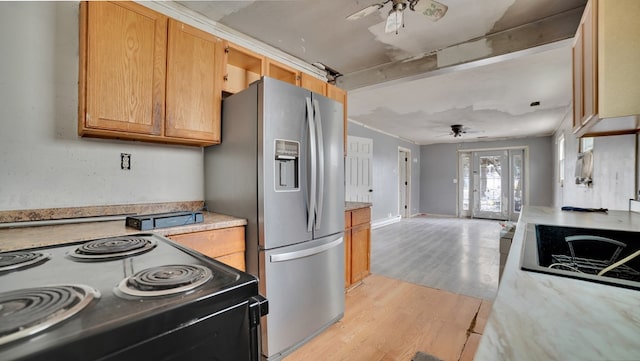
(404, 182)
(492, 183)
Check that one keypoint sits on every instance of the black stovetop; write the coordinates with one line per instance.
(118, 316)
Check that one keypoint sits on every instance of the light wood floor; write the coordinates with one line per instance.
(390, 320)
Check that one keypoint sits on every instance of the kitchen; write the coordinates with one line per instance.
(46, 164)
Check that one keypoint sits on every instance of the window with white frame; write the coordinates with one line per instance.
(560, 143)
(586, 144)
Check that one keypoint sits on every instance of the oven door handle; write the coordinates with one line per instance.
(258, 307)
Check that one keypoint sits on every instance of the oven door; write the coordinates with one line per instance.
(230, 334)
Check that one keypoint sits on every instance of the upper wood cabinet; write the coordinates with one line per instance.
(143, 77)
(194, 66)
(242, 67)
(312, 83)
(606, 78)
(340, 95)
(282, 72)
(122, 69)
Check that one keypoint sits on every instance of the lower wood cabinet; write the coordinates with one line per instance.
(225, 244)
(357, 240)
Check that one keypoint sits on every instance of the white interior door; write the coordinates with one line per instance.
(404, 186)
(358, 172)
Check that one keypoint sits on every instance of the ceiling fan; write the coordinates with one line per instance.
(457, 130)
(395, 20)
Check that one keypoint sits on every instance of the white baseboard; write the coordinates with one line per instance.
(385, 222)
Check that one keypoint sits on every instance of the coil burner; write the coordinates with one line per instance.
(107, 249)
(164, 280)
(25, 312)
(13, 261)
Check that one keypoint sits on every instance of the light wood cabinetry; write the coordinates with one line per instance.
(340, 95)
(122, 69)
(312, 83)
(282, 72)
(146, 77)
(606, 80)
(357, 245)
(225, 245)
(194, 64)
(242, 67)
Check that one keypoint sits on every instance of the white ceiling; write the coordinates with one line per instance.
(492, 101)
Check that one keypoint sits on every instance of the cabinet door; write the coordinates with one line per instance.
(578, 109)
(360, 252)
(194, 77)
(589, 63)
(312, 83)
(227, 245)
(618, 65)
(347, 258)
(123, 49)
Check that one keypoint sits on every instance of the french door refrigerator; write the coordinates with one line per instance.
(280, 166)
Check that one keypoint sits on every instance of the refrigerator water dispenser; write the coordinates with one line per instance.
(287, 165)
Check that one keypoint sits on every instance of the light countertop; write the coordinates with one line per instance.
(349, 206)
(28, 237)
(544, 317)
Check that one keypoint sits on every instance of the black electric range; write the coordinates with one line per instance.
(138, 297)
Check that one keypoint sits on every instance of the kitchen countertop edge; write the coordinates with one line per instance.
(350, 206)
(30, 237)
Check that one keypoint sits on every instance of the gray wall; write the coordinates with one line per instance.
(439, 167)
(43, 163)
(385, 172)
(614, 171)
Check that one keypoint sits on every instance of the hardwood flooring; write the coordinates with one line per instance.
(390, 320)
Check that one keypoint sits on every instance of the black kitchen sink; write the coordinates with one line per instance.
(583, 253)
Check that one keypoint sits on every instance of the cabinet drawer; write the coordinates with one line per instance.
(360, 216)
(235, 260)
(215, 243)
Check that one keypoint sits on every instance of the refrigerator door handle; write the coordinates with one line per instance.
(320, 193)
(314, 166)
(282, 257)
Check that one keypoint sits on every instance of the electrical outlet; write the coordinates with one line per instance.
(125, 161)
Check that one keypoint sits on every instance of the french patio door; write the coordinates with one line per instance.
(492, 184)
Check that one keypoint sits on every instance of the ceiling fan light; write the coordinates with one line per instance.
(431, 9)
(365, 12)
(395, 21)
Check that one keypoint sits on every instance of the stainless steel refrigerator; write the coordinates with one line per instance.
(280, 166)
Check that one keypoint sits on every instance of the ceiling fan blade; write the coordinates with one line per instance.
(365, 12)
(431, 9)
